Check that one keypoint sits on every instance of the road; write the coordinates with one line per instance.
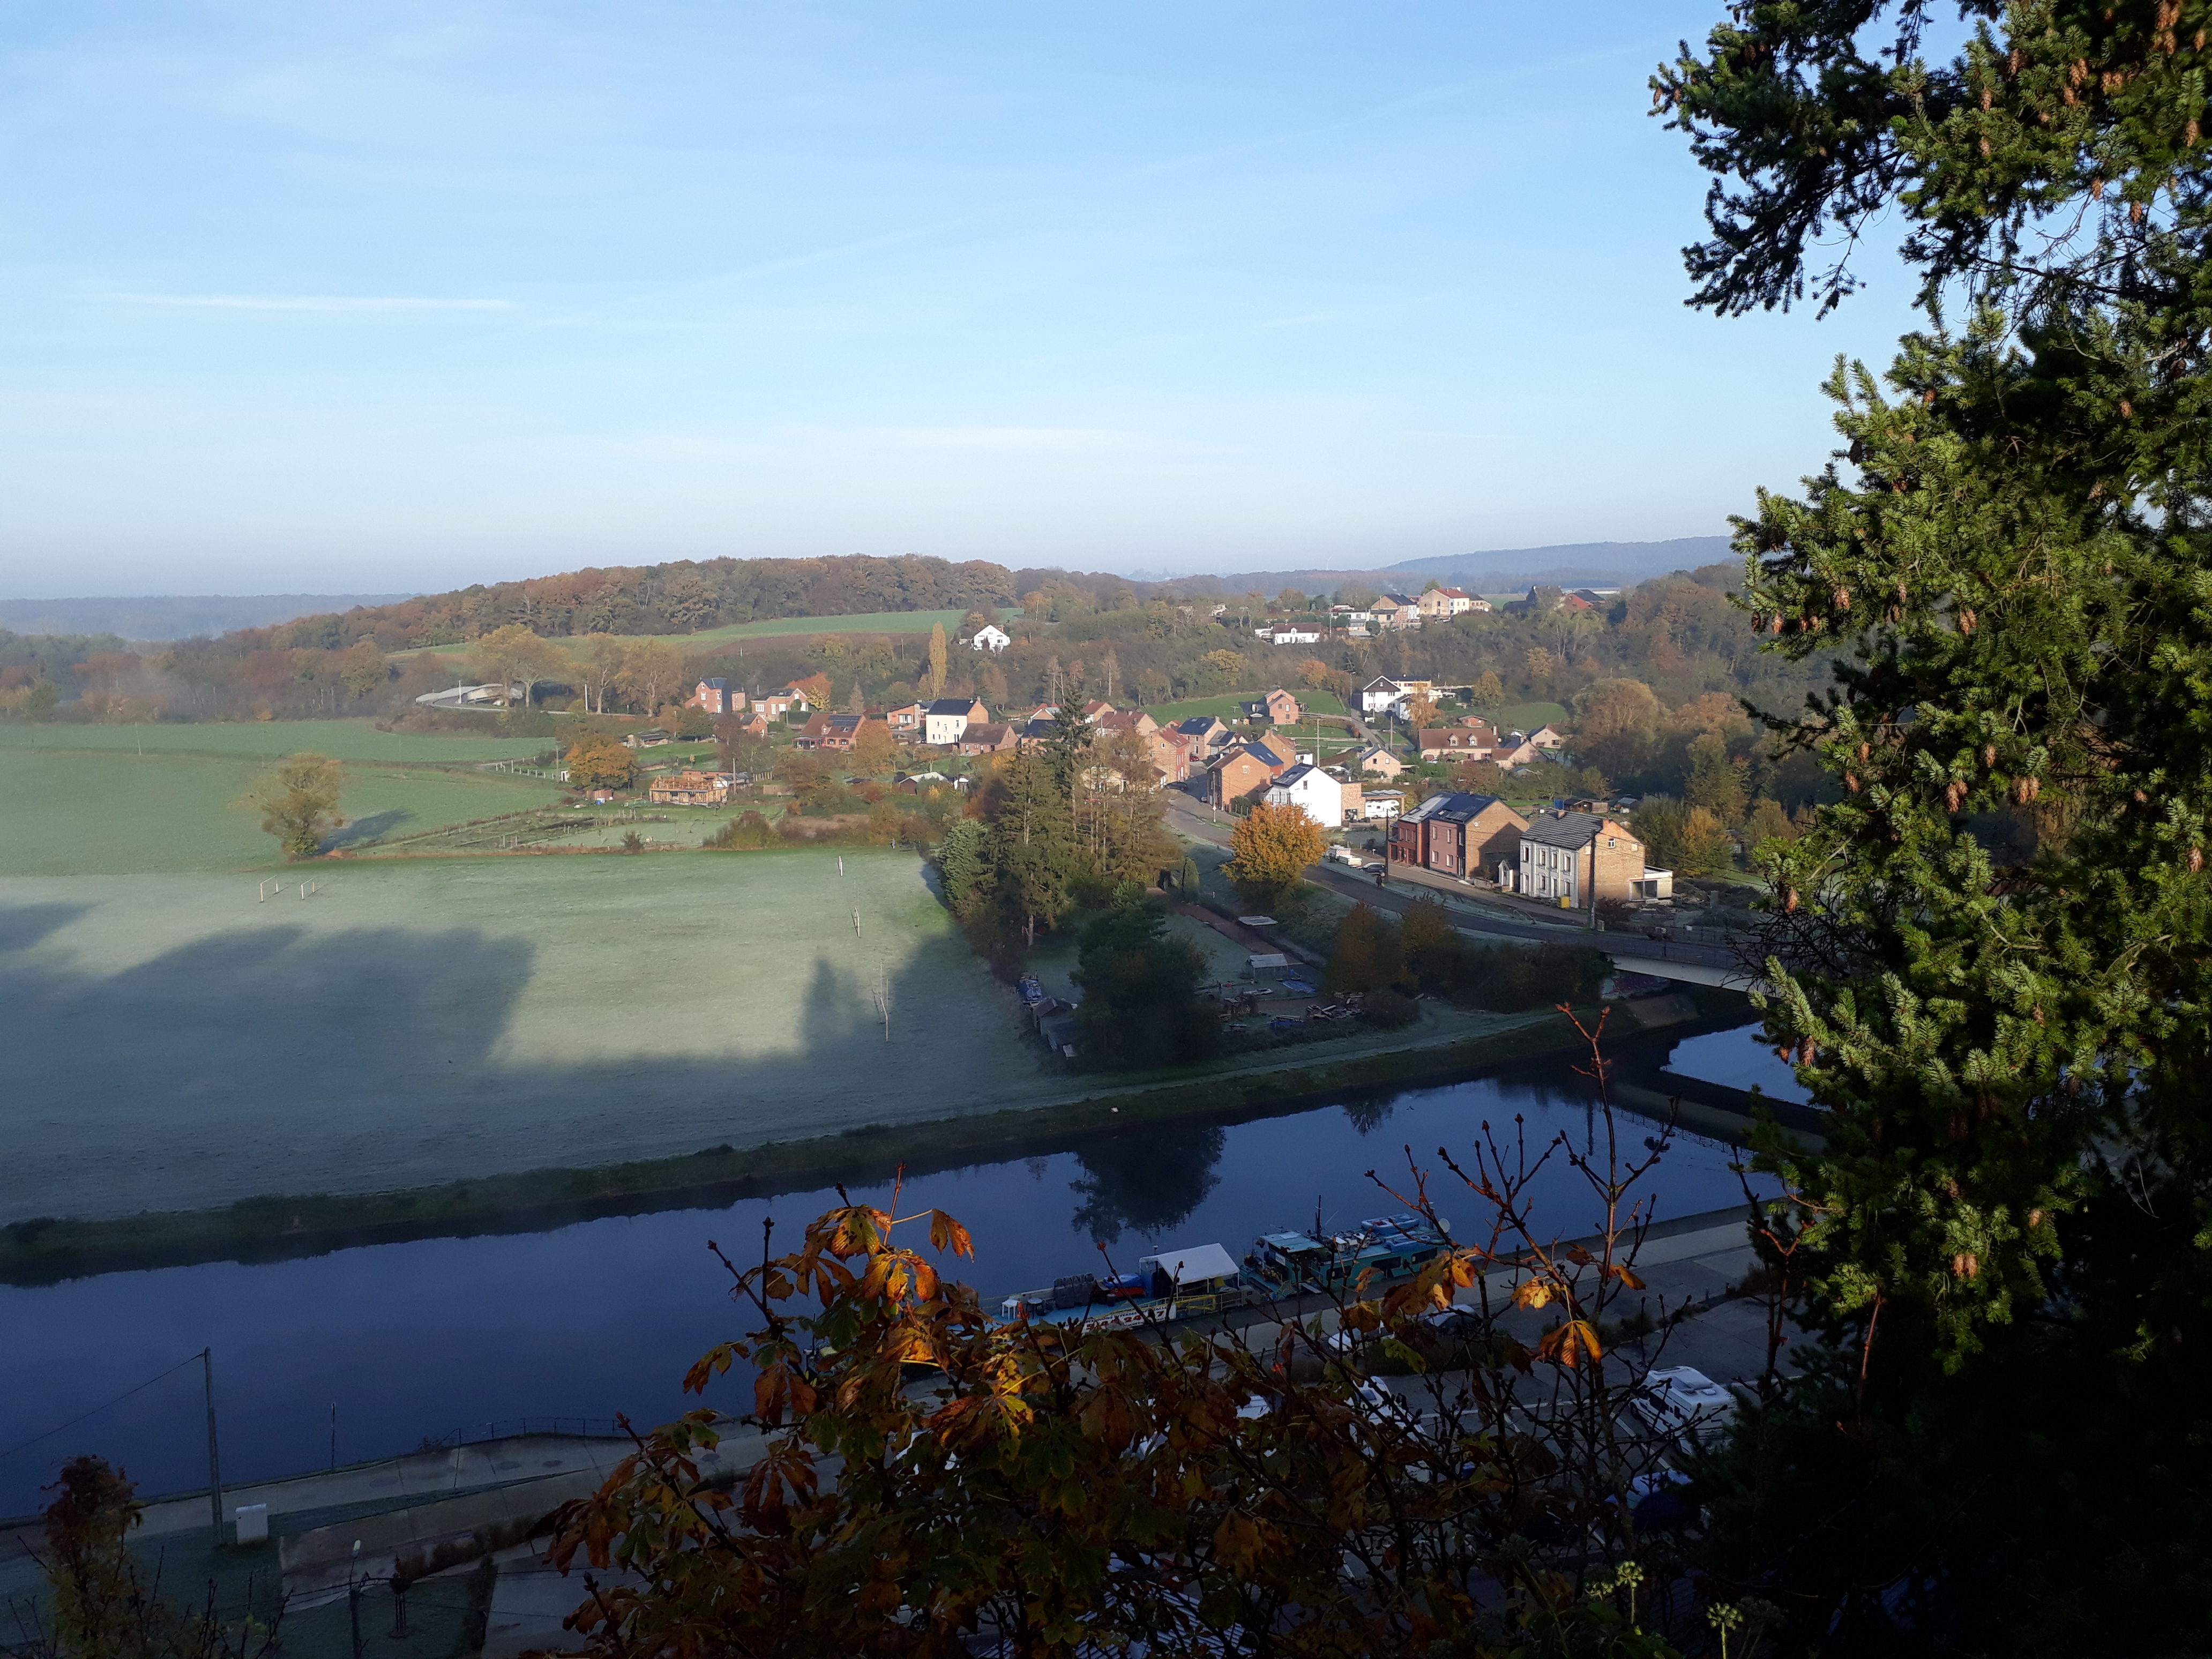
(1665, 959)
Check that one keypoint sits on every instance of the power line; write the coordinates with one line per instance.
(193, 1359)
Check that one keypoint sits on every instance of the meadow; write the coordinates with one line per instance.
(178, 1042)
(346, 740)
(94, 812)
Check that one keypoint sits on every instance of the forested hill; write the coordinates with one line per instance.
(684, 596)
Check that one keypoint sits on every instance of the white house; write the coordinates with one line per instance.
(1378, 697)
(991, 637)
(1293, 636)
(1312, 792)
(947, 719)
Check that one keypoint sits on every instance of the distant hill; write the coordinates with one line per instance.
(173, 616)
(1570, 564)
(1574, 564)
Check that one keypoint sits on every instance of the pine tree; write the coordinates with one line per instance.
(2007, 557)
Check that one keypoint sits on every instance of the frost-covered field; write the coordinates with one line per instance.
(174, 1043)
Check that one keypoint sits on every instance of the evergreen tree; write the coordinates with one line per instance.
(1990, 955)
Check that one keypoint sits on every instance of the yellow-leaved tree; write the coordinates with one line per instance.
(1272, 848)
(298, 802)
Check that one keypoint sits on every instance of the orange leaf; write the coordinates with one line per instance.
(946, 1233)
(1532, 1293)
(1625, 1276)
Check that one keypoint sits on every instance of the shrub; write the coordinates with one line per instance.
(750, 831)
(1392, 1011)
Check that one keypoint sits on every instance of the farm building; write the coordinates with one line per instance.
(689, 789)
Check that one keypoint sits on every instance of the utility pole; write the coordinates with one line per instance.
(215, 1457)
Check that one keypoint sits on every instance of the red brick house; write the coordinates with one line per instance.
(1455, 835)
(716, 697)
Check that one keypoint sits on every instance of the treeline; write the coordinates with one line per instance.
(684, 596)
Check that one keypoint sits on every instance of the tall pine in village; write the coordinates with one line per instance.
(1990, 955)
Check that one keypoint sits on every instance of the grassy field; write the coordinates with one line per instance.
(1528, 716)
(176, 1044)
(84, 813)
(348, 740)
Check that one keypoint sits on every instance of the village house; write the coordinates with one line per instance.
(1242, 770)
(1443, 602)
(1285, 751)
(944, 719)
(1382, 697)
(838, 732)
(1457, 742)
(1043, 711)
(1291, 635)
(1380, 761)
(781, 703)
(756, 724)
(991, 637)
(1395, 613)
(1312, 792)
(1279, 705)
(1173, 752)
(1034, 734)
(986, 738)
(1574, 859)
(689, 789)
(905, 720)
(1095, 707)
(1127, 720)
(1457, 834)
(1548, 737)
(652, 738)
(1207, 733)
(716, 697)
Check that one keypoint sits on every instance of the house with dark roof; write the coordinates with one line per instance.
(1575, 858)
(716, 697)
(944, 719)
(1457, 834)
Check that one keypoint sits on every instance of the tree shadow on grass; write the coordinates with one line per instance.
(373, 827)
(22, 926)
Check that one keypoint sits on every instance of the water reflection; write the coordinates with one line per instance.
(604, 1316)
(1368, 1115)
(1146, 1180)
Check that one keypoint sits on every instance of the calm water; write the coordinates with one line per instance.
(409, 1339)
(1740, 1059)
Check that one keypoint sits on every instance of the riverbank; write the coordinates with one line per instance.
(278, 1227)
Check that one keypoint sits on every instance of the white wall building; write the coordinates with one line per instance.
(992, 638)
(1312, 792)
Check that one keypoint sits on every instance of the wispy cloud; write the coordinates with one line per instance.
(309, 302)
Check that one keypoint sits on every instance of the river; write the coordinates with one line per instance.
(419, 1339)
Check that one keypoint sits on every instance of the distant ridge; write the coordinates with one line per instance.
(175, 616)
(1569, 564)
(1572, 564)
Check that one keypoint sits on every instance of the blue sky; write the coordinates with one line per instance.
(332, 298)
